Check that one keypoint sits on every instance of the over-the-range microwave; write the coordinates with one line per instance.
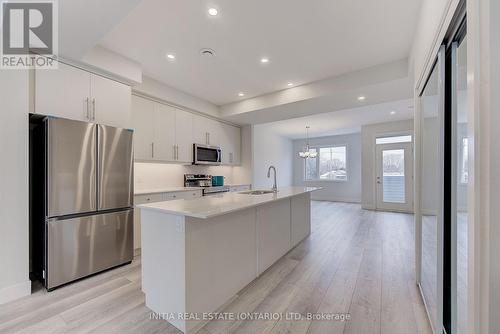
(206, 155)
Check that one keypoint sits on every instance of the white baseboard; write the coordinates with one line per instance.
(14, 292)
(334, 199)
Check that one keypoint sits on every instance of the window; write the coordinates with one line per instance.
(393, 140)
(464, 163)
(330, 164)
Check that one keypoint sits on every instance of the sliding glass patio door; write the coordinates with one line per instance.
(444, 143)
(432, 190)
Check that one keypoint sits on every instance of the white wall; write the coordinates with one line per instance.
(343, 191)
(161, 91)
(368, 174)
(271, 149)
(432, 17)
(112, 62)
(243, 173)
(14, 244)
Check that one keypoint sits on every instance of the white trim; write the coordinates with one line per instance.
(425, 306)
(328, 198)
(178, 106)
(430, 58)
(478, 132)
(347, 167)
(417, 177)
(14, 292)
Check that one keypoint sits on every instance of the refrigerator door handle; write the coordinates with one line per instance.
(115, 168)
(87, 106)
(93, 109)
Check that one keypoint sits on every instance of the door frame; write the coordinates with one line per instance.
(408, 161)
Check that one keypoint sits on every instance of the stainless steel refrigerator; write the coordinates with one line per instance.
(85, 173)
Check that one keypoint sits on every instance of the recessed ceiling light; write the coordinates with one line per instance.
(361, 98)
(240, 94)
(213, 11)
(393, 112)
(290, 84)
(264, 60)
(170, 56)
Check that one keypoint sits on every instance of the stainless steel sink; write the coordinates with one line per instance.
(257, 192)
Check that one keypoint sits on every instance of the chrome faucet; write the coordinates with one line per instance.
(275, 188)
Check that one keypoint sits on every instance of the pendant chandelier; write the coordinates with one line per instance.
(307, 153)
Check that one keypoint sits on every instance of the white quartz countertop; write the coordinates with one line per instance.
(176, 189)
(216, 205)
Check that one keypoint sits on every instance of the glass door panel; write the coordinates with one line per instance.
(395, 176)
(431, 201)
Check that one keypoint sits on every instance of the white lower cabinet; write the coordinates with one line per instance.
(157, 197)
(300, 218)
(273, 230)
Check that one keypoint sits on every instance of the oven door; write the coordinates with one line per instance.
(206, 155)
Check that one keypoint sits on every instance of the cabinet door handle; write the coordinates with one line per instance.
(173, 152)
(87, 108)
(177, 152)
(152, 150)
(93, 109)
(209, 138)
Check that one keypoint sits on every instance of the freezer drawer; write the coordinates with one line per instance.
(82, 246)
(71, 167)
(115, 168)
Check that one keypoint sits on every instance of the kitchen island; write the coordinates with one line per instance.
(198, 253)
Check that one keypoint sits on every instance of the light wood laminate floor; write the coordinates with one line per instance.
(355, 261)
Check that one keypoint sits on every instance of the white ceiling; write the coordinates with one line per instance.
(342, 121)
(304, 40)
(82, 23)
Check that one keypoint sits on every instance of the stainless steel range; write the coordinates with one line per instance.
(203, 181)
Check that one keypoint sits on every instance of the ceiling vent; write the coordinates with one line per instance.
(206, 52)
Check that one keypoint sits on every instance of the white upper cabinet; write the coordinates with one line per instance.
(235, 146)
(166, 133)
(164, 123)
(64, 92)
(206, 131)
(110, 102)
(143, 119)
(72, 93)
(231, 144)
(184, 136)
